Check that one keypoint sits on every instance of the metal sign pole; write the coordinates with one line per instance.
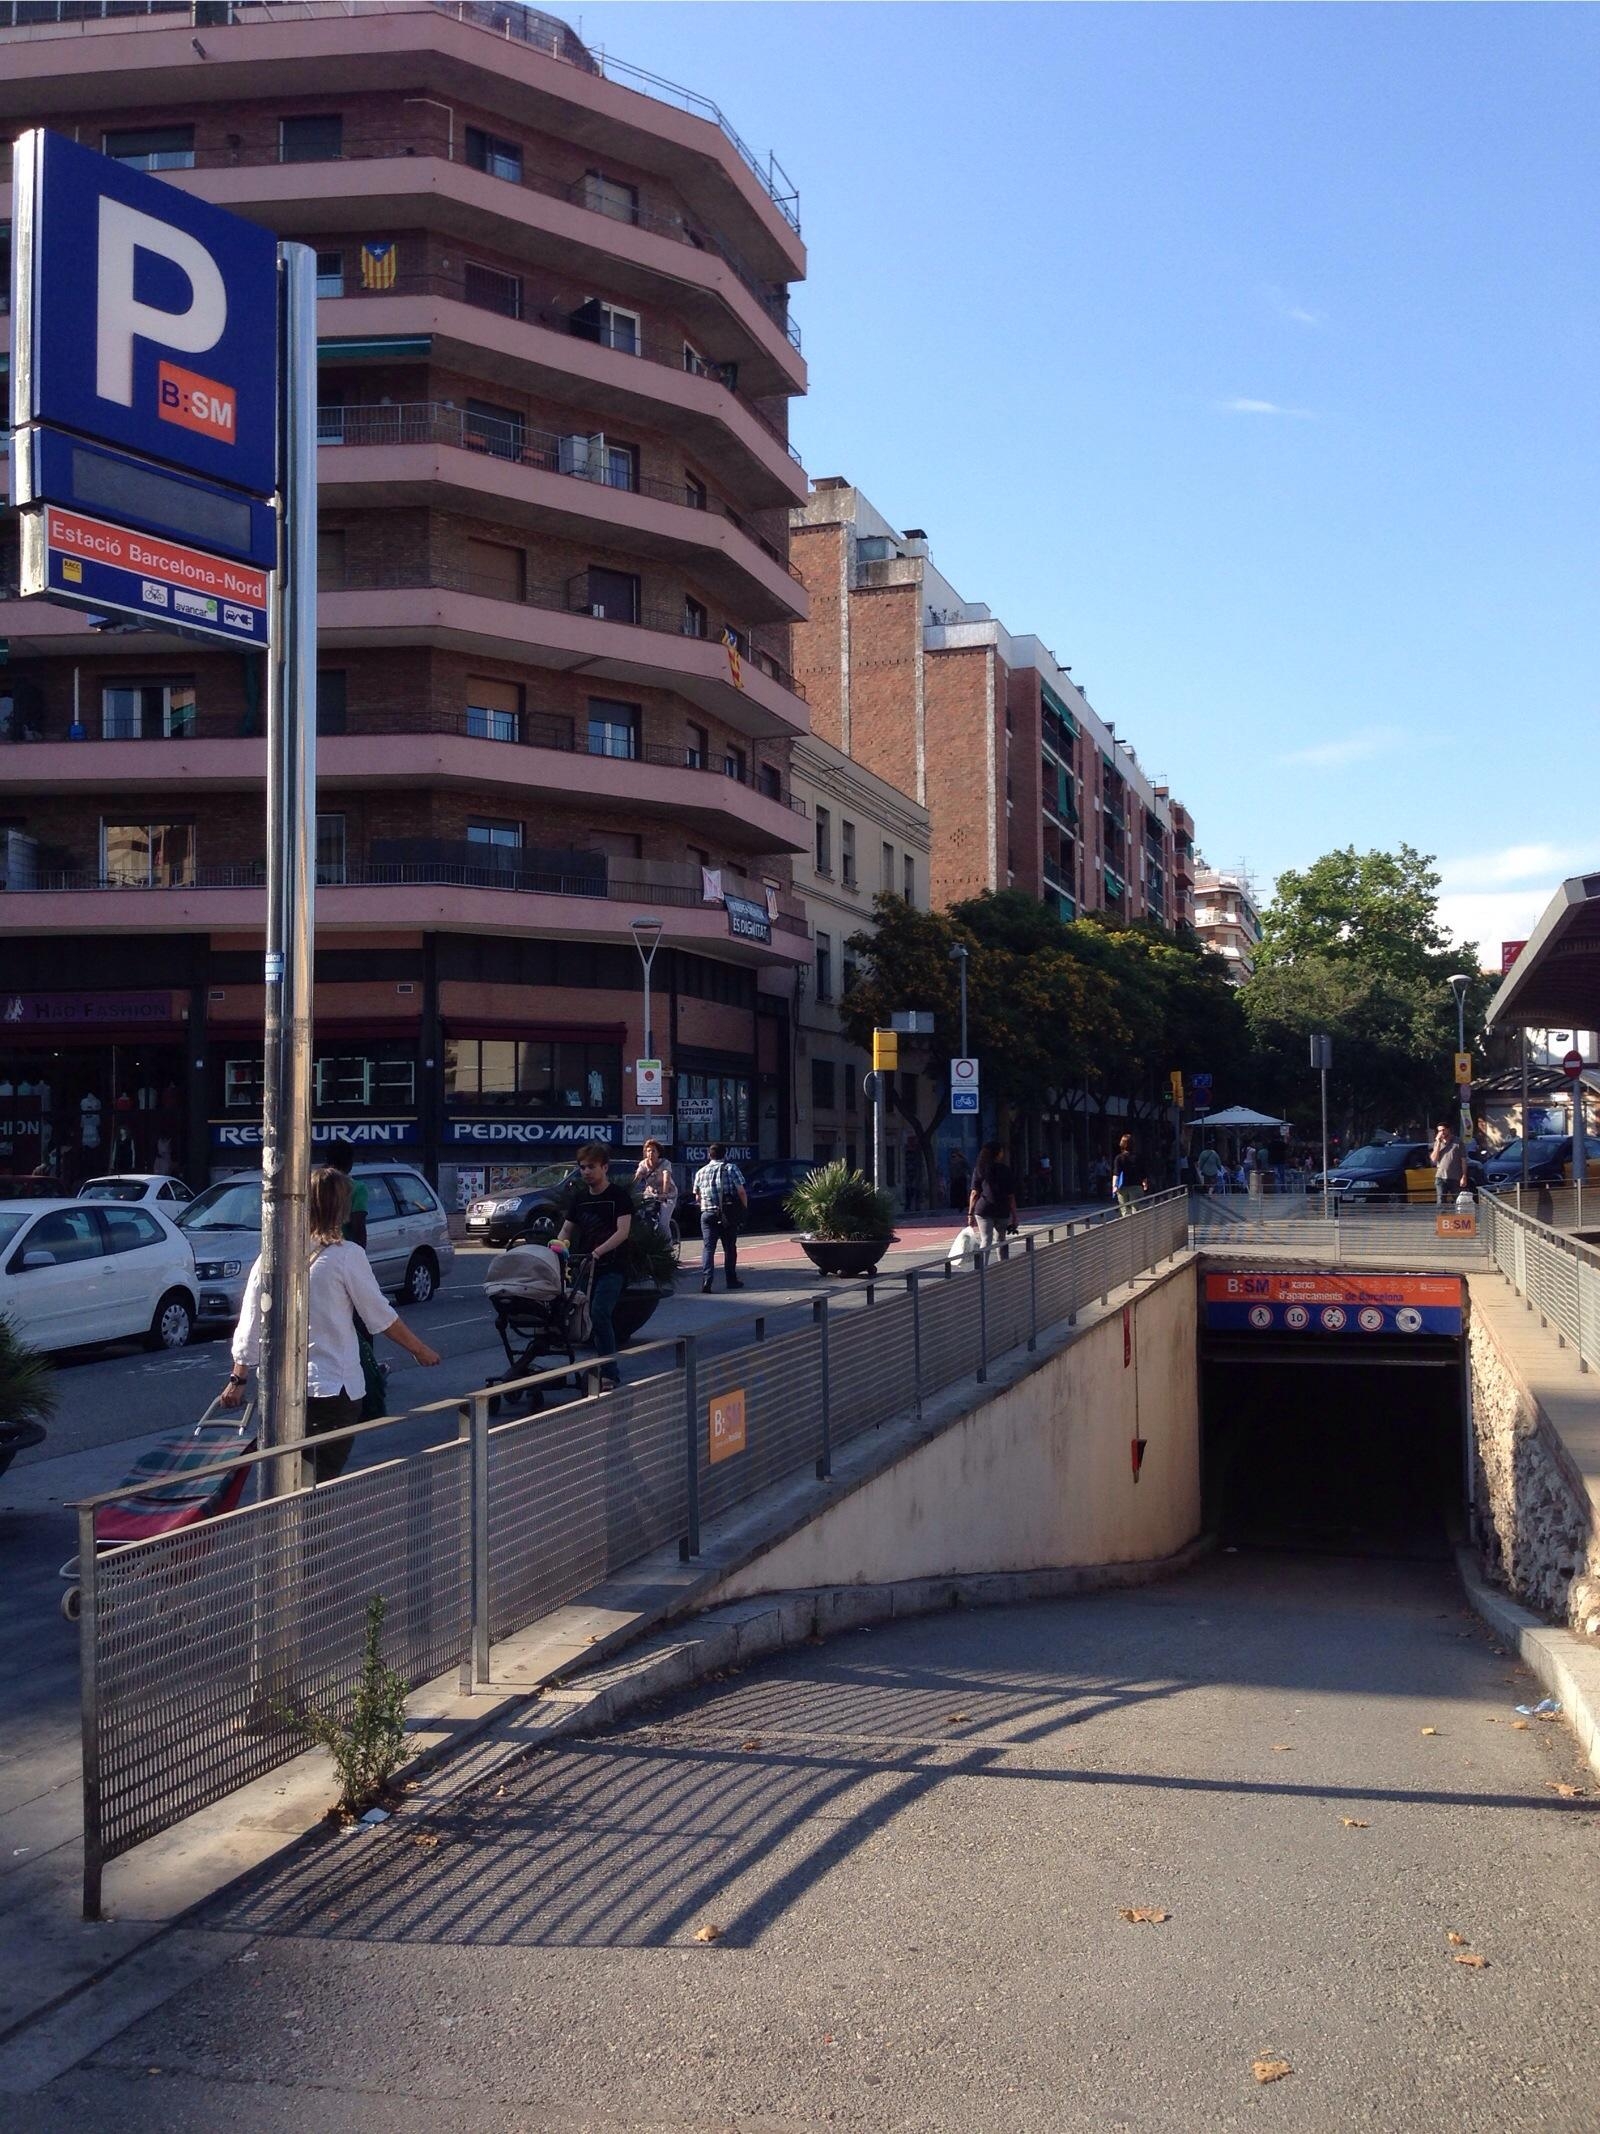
(1324, 1144)
(291, 817)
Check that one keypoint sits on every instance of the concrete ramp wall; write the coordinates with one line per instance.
(1038, 1475)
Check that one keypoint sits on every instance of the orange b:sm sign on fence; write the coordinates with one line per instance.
(727, 1426)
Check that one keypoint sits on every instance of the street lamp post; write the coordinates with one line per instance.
(958, 956)
(646, 939)
(1459, 982)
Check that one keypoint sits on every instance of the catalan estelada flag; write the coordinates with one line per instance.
(378, 264)
(734, 671)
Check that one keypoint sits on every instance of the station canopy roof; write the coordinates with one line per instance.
(1555, 982)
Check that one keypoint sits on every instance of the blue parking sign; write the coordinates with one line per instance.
(144, 317)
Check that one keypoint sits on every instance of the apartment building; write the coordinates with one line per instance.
(555, 598)
(1026, 785)
(868, 839)
(1226, 918)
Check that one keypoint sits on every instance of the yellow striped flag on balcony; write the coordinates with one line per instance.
(378, 264)
(734, 670)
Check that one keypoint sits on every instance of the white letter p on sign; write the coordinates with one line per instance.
(121, 320)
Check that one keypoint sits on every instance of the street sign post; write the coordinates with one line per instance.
(1572, 1065)
(964, 1085)
(1322, 1060)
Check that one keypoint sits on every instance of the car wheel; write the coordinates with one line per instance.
(173, 1322)
(422, 1279)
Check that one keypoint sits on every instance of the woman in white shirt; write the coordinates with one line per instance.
(654, 1175)
(341, 1285)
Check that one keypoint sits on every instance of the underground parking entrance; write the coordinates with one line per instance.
(1333, 1411)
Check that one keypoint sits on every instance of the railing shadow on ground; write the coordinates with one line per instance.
(198, 1647)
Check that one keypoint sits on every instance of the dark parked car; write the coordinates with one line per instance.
(1374, 1174)
(768, 1184)
(1548, 1157)
(537, 1209)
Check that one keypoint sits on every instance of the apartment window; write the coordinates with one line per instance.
(696, 622)
(619, 466)
(607, 324)
(698, 753)
(771, 783)
(488, 152)
(311, 140)
(610, 196)
(615, 844)
(492, 290)
(151, 147)
(847, 854)
(851, 972)
(487, 428)
(824, 1093)
(330, 556)
(330, 848)
(696, 491)
(496, 571)
(330, 274)
(824, 967)
(492, 830)
(154, 855)
(613, 729)
(612, 595)
(910, 891)
(735, 764)
(494, 709)
(824, 842)
(147, 711)
(695, 363)
(331, 700)
(886, 882)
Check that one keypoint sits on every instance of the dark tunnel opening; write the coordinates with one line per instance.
(1331, 1454)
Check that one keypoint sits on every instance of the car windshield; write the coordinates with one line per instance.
(548, 1175)
(1377, 1159)
(10, 1224)
(1510, 1157)
(111, 1189)
(233, 1205)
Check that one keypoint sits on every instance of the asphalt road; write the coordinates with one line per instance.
(918, 1844)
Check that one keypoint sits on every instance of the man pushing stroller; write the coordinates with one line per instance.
(598, 1220)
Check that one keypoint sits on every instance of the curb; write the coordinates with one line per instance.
(1567, 1667)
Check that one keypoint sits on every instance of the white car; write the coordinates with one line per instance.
(408, 1236)
(74, 1272)
(138, 1187)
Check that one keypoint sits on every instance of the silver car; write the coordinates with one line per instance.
(408, 1237)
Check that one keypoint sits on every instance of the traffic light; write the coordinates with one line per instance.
(885, 1051)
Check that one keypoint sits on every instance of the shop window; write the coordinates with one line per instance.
(613, 729)
(495, 430)
(384, 1079)
(491, 290)
(488, 152)
(151, 147)
(732, 1108)
(147, 710)
(494, 709)
(533, 1075)
(331, 700)
(242, 1084)
(147, 855)
(496, 570)
(318, 139)
(610, 196)
(330, 274)
(823, 1089)
(330, 849)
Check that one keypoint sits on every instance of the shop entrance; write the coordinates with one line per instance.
(84, 1110)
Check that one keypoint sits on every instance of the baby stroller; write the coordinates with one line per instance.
(534, 1312)
(172, 1494)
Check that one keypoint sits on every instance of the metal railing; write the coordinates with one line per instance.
(198, 1647)
(432, 422)
(1558, 1274)
(1241, 1221)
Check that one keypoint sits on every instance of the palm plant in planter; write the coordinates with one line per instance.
(648, 1265)
(846, 1225)
(27, 1394)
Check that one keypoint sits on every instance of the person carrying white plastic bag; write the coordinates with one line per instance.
(964, 1249)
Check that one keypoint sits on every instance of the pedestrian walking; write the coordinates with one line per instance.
(340, 1284)
(599, 1217)
(1209, 1164)
(1124, 1177)
(1449, 1160)
(654, 1177)
(992, 1203)
(719, 1188)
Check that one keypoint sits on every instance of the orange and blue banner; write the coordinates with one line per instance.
(1342, 1304)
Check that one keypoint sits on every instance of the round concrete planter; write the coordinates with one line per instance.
(851, 1257)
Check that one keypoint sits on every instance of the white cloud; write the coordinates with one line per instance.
(1368, 741)
(1490, 916)
(1512, 864)
(1302, 317)
(1239, 406)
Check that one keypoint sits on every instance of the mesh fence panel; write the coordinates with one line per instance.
(1007, 1302)
(782, 1385)
(872, 1358)
(1058, 1282)
(580, 1490)
(205, 1639)
(949, 1306)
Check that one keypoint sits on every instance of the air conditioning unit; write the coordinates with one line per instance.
(584, 456)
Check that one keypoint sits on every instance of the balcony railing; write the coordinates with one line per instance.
(569, 599)
(502, 294)
(421, 422)
(439, 863)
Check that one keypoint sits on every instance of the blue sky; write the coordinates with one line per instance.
(1245, 354)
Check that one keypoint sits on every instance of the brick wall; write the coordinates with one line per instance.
(956, 689)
